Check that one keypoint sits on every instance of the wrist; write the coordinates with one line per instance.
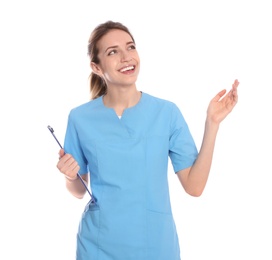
(211, 123)
(71, 179)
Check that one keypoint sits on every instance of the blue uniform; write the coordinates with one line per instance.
(128, 162)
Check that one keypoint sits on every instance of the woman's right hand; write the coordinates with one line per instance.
(68, 165)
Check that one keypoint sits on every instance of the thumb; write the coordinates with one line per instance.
(219, 95)
(61, 153)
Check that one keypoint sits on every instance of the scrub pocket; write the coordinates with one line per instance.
(162, 236)
(87, 236)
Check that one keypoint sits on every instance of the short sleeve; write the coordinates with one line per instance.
(182, 149)
(72, 144)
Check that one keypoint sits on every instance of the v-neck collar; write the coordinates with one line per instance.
(136, 106)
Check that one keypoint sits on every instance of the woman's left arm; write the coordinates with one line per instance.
(194, 178)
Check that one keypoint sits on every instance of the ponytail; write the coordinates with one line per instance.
(98, 86)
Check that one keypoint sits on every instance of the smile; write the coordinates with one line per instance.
(127, 68)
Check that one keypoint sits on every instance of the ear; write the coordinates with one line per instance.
(96, 69)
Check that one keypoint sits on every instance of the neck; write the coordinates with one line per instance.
(121, 99)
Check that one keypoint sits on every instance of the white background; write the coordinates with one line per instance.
(189, 51)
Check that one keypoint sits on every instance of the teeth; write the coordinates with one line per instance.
(127, 68)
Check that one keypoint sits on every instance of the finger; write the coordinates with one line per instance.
(68, 165)
(66, 159)
(71, 173)
(235, 84)
(219, 95)
(233, 92)
(71, 170)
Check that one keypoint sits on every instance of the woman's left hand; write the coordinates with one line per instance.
(220, 106)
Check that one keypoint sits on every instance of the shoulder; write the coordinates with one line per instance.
(87, 107)
(161, 106)
(158, 100)
(160, 103)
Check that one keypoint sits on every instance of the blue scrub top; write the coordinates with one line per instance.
(127, 160)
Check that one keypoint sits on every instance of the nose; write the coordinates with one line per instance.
(126, 57)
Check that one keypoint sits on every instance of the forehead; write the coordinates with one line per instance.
(114, 37)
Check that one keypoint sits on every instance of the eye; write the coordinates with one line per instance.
(112, 52)
(132, 47)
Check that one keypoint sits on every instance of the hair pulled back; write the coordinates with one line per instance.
(98, 86)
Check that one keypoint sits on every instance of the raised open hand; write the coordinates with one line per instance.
(222, 104)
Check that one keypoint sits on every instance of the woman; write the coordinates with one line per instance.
(122, 139)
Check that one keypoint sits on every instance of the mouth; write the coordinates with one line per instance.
(128, 68)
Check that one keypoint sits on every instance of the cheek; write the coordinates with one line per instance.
(136, 56)
(109, 75)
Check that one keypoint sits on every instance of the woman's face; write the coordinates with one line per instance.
(119, 61)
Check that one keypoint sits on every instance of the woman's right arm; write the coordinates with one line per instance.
(68, 166)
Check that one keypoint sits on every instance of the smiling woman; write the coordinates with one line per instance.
(121, 140)
(111, 49)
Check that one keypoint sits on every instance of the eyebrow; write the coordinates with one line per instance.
(116, 46)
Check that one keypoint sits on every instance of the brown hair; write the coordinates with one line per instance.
(98, 86)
